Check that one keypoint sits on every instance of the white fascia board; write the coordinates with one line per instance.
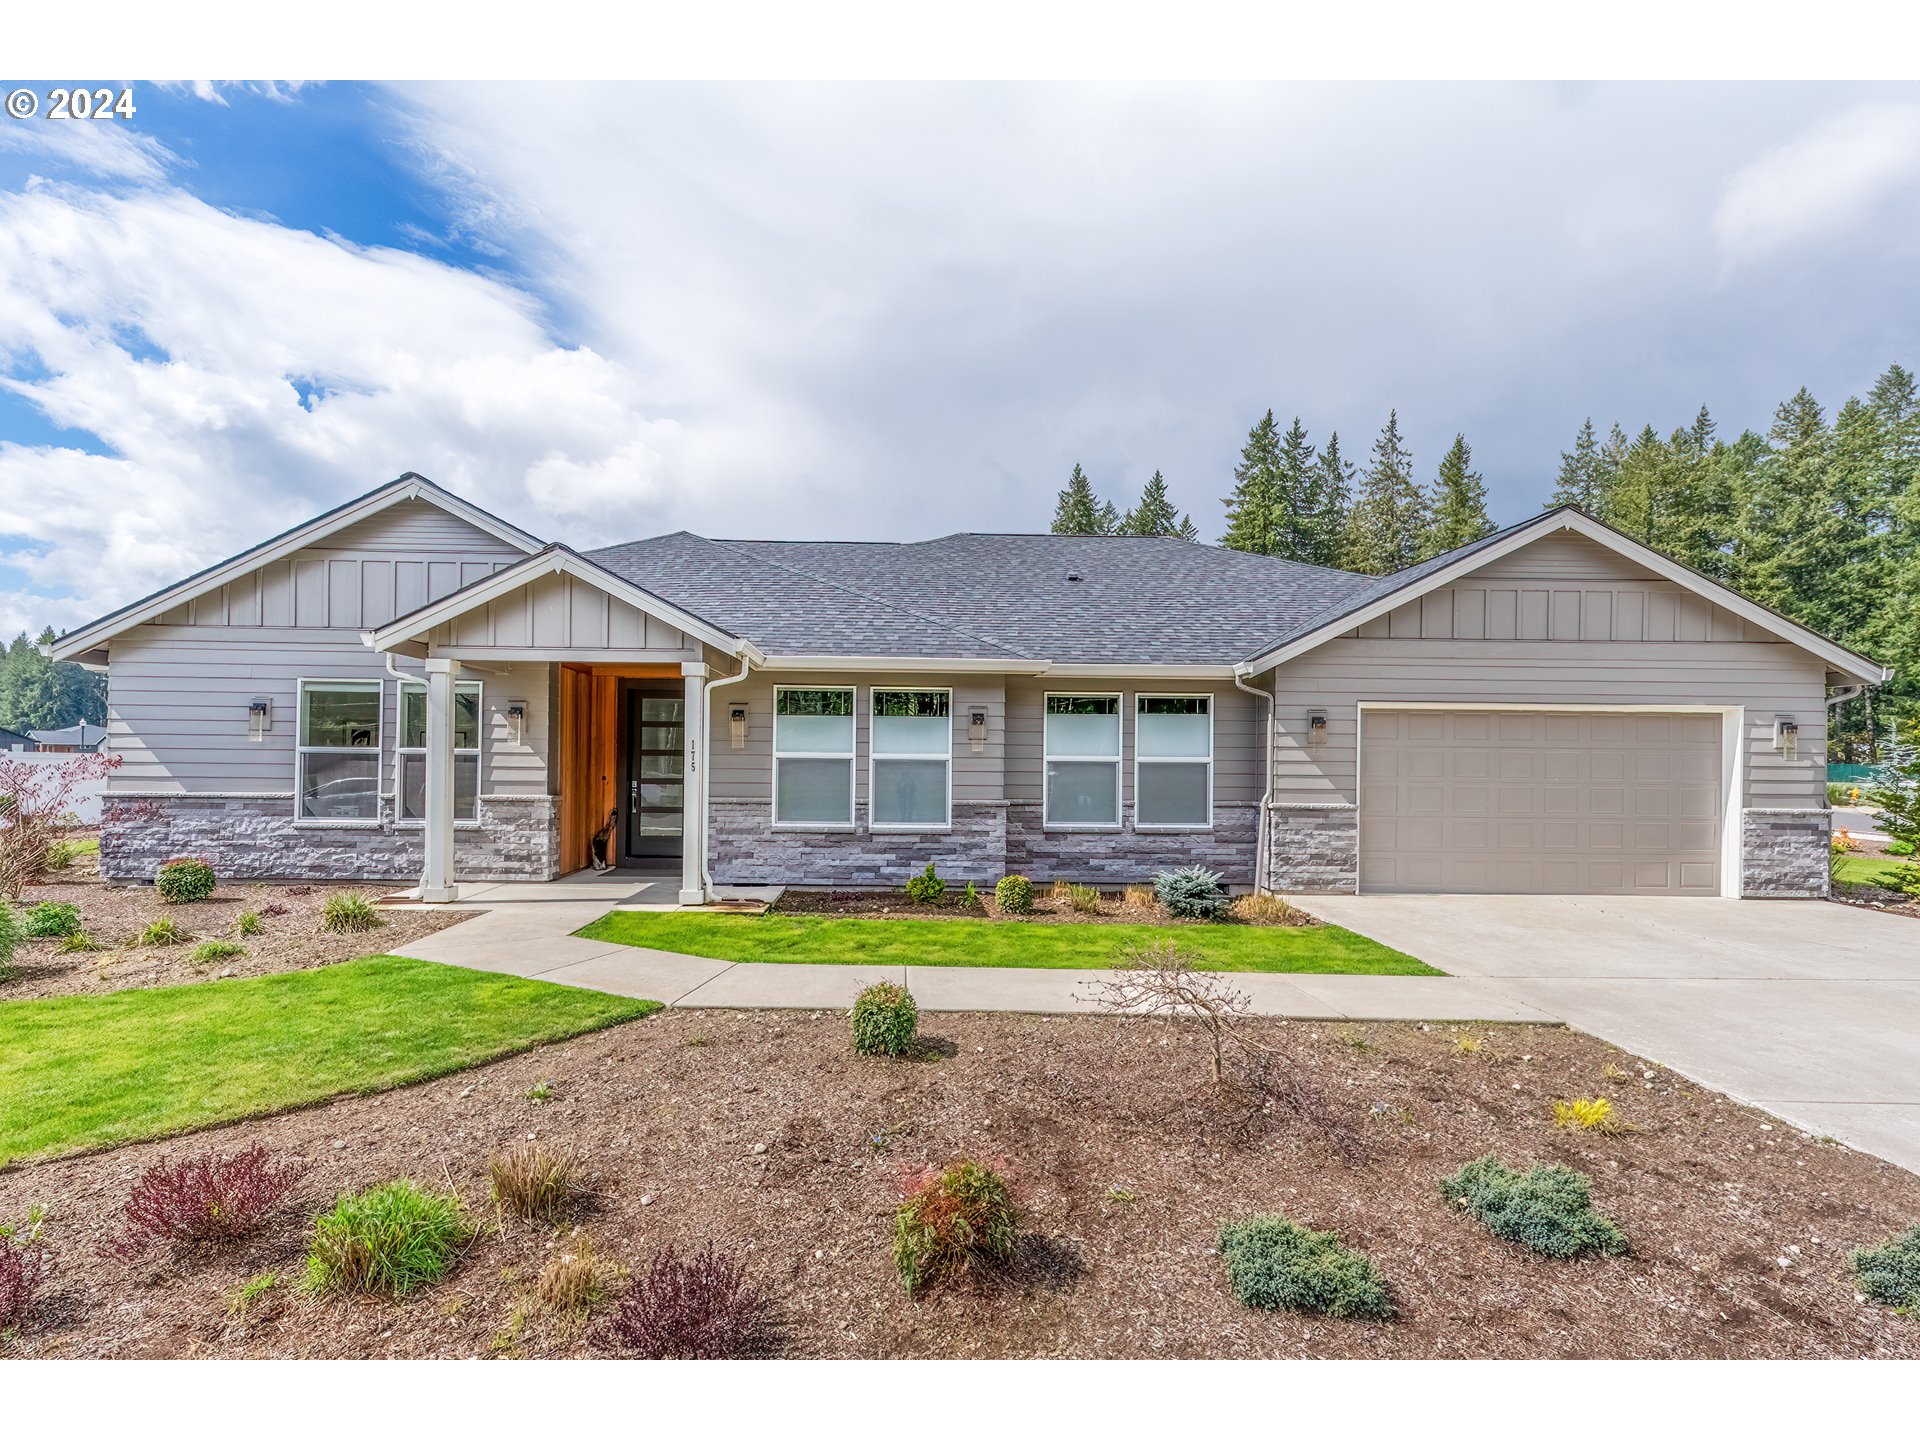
(407, 487)
(900, 664)
(554, 560)
(1837, 657)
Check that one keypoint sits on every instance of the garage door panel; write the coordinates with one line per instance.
(1540, 802)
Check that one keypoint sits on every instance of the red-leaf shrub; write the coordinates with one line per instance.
(953, 1221)
(36, 805)
(23, 1270)
(205, 1197)
(696, 1307)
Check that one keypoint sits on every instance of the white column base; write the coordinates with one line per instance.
(692, 897)
(440, 896)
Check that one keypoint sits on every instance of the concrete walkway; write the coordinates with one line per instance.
(1806, 1009)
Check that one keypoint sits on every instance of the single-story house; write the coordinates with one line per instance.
(15, 739)
(71, 739)
(409, 688)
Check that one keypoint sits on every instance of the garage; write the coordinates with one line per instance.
(1503, 802)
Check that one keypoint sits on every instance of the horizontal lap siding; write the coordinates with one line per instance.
(747, 773)
(1237, 734)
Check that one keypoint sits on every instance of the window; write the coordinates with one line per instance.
(1082, 753)
(410, 759)
(909, 787)
(812, 756)
(1173, 761)
(337, 751)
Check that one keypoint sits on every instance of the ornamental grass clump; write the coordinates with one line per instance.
(701, 1306)
(1014, 895)
(208, 951)
(204, 1198)
(1085, 899)
(51, 920)
(9, 938)
(391, 1239)
(1890, 1273)
(1595, 1114)
(534, 1182)
(886, 1021)
(1548, 1208)
(954, 1221)
(164, 931)
(349, 910)
(1274, 1264)
(184, 879)
(1191, 893)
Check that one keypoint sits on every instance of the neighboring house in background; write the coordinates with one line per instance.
(71, 739)
(15, 739)
(407, 687)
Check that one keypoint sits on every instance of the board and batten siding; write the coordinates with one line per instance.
(178, 688)
(1237, 734)
(559, 612)
(1563, 621)
(747, 773)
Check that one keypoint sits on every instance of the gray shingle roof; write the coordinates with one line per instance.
(1137, 600)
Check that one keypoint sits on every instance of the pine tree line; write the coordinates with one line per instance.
(41, 694)
(1078, 511)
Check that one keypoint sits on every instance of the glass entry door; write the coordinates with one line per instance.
(656, 786)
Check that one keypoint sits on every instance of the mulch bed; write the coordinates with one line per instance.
(763, 1130)
(1134, 906)
(115, 915)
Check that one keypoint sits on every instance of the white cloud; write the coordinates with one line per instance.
(1826, 184)
(111, 151)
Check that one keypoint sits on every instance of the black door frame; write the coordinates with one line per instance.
(663, 848)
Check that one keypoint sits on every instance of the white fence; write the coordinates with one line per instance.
(85, 802)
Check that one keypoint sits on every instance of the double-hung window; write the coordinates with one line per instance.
(1081, 746)
(813, 756)
(910, 784)
(1173, 761)
(337, 751)
(410, 759)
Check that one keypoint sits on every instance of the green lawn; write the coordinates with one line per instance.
(832, 940)
(1865, 869)
(82, 1071)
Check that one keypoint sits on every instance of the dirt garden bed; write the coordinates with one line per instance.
(290, 935)
(1133, 905)
(762, 1130)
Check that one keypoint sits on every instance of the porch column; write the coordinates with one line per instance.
(693, 793)
(436, 881)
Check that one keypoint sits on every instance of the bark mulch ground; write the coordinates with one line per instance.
(290, 935)
(1133, 906)
(763, 1130)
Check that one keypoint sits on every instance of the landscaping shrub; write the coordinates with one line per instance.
(1890, 1273)
(1548, 1208)
(391, 1239)
(574, 1281)
(1085, 899)
(1138, 897)
(1191, 893)
(885, 1020)
(1842, 842)
(534, 1182)
(1014, 894)
(1595, 1114)
(37, 803)
(61, 854)
(80, 942)
(953, 1221)
(247, 923)
(926, 888)
(1273, 1264)
(50, 920)
(164, 931)
(23, 1270)
(205, 1197)
(9, 937)
(1263, 909)
(208, 951)
(1900, 848)
(350, 910)
(184, 879)
(699, 1307)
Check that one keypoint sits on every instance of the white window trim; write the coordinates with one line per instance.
(1138, 760)
(851, 756)
(874, 756)
(479, 688)
(301, 751)
(1047, 758)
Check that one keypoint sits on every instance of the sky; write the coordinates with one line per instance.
(892, 312)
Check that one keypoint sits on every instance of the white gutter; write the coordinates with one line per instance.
(706, 778)
(1843, 694)
(1264, 842)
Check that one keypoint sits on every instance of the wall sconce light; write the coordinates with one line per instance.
(259, 718)
(1786, 736)
(977, 730)
(737, 726)
(1316, 728)
(516, 722)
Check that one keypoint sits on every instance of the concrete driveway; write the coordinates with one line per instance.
(1808, 1009)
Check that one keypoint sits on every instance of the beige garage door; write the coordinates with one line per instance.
(1532, 802)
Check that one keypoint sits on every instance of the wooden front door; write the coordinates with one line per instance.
(656, 783)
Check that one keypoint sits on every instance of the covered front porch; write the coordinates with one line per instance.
(626, 733)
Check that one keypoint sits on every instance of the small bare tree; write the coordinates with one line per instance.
(36, 804)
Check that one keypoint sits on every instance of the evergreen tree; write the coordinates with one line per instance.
(1323, 513)
(1188, 530)
(1387, 528)
(1107, 519)
(37, 693)
(1293, 522)
(1253, 518)
(1459, 504)
(1077, 512)
(1155, 514)
(1581, 474)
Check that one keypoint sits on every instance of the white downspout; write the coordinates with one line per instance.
(706, 780)
(1265, 842)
